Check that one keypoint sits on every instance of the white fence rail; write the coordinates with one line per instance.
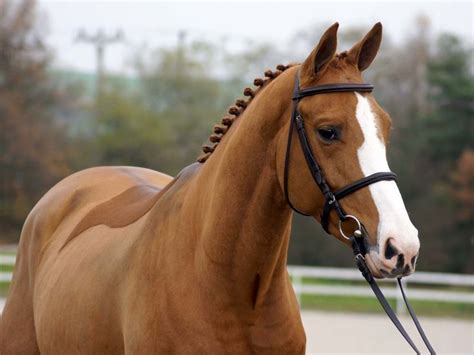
(299, 273)
(6, 260)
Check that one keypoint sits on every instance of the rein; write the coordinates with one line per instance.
(332, 198)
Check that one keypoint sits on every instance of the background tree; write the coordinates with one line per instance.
(128, 133)
(446, 133)
(177, 85)
(32, 141)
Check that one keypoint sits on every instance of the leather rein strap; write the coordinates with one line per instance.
(332, 197)
(358, 247)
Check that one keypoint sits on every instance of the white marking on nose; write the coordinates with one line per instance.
(393, 216)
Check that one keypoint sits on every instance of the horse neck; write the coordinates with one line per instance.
(245, 221)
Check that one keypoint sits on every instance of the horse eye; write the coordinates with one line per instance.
(328, 134)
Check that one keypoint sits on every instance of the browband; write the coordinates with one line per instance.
(331, 88)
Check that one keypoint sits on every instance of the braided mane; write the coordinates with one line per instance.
(234, 111)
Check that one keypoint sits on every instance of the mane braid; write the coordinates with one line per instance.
(236, 110)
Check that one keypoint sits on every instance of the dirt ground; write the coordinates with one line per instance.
(328, 332)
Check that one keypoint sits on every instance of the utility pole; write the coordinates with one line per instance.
(180, 60)
(99, 40)
(421, 53)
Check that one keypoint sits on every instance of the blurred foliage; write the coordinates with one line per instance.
(160, 118)
(177, 86)
(33, 146)
(128, 133)
(452, 92)
(446, 151)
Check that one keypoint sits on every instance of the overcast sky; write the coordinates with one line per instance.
(158, 23)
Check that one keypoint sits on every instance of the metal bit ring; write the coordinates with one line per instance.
(357, 232)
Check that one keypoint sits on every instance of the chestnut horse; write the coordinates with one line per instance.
(129, 260)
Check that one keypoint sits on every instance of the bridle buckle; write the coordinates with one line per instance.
(332, 199)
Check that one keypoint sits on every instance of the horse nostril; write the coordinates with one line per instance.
(400, 261)
(390, 250)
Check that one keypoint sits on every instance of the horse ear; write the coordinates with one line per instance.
(320, 56)
(364, 52)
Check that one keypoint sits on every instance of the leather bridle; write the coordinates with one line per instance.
(332, 197)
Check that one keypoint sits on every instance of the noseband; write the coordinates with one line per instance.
(332, 197)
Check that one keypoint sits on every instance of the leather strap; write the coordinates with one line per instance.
(288, 151)
(391, 314)
(314, 167)
(361, 264)
(415, 319)
(331, 88)
(368, 180)
(351, 188)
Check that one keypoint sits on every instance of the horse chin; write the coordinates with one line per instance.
(371, 258)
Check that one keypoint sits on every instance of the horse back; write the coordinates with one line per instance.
(113, 196)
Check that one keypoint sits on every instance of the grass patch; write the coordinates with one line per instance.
(4, 289)
(6, 268)
(371, 305)
(382, 283)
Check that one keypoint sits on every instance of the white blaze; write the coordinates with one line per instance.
(393, 217)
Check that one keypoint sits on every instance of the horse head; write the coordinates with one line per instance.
(347, 132)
